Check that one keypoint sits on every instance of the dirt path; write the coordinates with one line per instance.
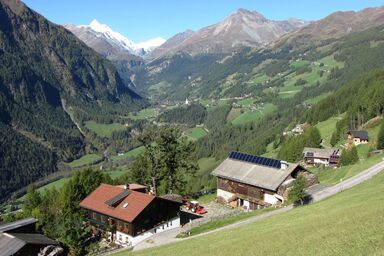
(317, 195)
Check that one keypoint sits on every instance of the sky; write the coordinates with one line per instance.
(140, 20)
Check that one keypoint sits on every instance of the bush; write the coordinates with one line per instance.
(297, 192)
(349, 156)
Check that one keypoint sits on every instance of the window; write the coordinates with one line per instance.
(126, 239)
(120, 237)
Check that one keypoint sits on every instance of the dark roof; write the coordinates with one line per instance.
(173, 197)
(114, 201)
(16, 224)
(10, 245)
(259, 160)
(135, 202)
(259, 175)
(363, 135)
(34, 238)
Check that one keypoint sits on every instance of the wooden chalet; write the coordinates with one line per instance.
(358, 137)
(252, 182)
(326, 156)
(129, 216)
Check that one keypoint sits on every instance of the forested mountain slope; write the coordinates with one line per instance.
(251, 70)
(355, 88)
(42, 68)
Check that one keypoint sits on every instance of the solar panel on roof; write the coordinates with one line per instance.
(118, 198)
(255, 159)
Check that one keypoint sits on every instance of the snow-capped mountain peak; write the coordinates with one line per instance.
(102, 30)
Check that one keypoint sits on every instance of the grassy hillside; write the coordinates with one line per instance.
(132, 153)
(104, 130)
(195, 133)
(350, 223)
(85, 160)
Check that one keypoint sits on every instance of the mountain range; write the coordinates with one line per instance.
(110, 43)
(242, 28)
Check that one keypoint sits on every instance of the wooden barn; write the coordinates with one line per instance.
(129, 216)
(326, 156)
(252, 182)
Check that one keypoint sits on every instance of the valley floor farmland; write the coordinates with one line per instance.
(349, 223)
(104, 130)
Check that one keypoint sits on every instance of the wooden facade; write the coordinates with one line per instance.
(158, 212)
(243, 191)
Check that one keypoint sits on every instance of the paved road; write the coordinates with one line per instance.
(353, 181)
(317, 194)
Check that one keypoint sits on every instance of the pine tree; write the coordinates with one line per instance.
(380, 137)
(353, 155)
(297, 192)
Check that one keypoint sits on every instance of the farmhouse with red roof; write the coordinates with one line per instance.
(127, 215)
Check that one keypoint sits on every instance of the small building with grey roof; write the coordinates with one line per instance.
(252, 181)
(326, 156)
(358, 137)
(20, 238)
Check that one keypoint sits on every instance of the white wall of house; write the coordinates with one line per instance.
(270, 199)
(127, 240)
(224, 194)
(320, 161)
(246, 204)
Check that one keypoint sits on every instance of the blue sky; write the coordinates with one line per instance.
(141, 20)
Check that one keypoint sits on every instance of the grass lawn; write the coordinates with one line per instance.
(318, 98)
(196, 133)
(143, 114)
(115, 174)
(271, 152)
(85, 160)
(235, 112)
(132, 153)
(326, 129)
(349, 223)
(259, 79)
(289, 89)
(252, 115)
(227, 221)
(206, 198)
(246, 102)
(104, 130)
(333, 176)
(299, 64)
(203, 178)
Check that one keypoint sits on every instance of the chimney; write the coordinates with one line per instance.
(284, 165)
(126, 186)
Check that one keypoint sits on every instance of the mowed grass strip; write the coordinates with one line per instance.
(144, 113)
(224, 222)
(132, 153)
(85, 160)
(104, 130)
(349, 223)
(252, 115)
(326, 129)
(196, 133)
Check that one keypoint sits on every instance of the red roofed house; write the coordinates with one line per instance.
(129, 216)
